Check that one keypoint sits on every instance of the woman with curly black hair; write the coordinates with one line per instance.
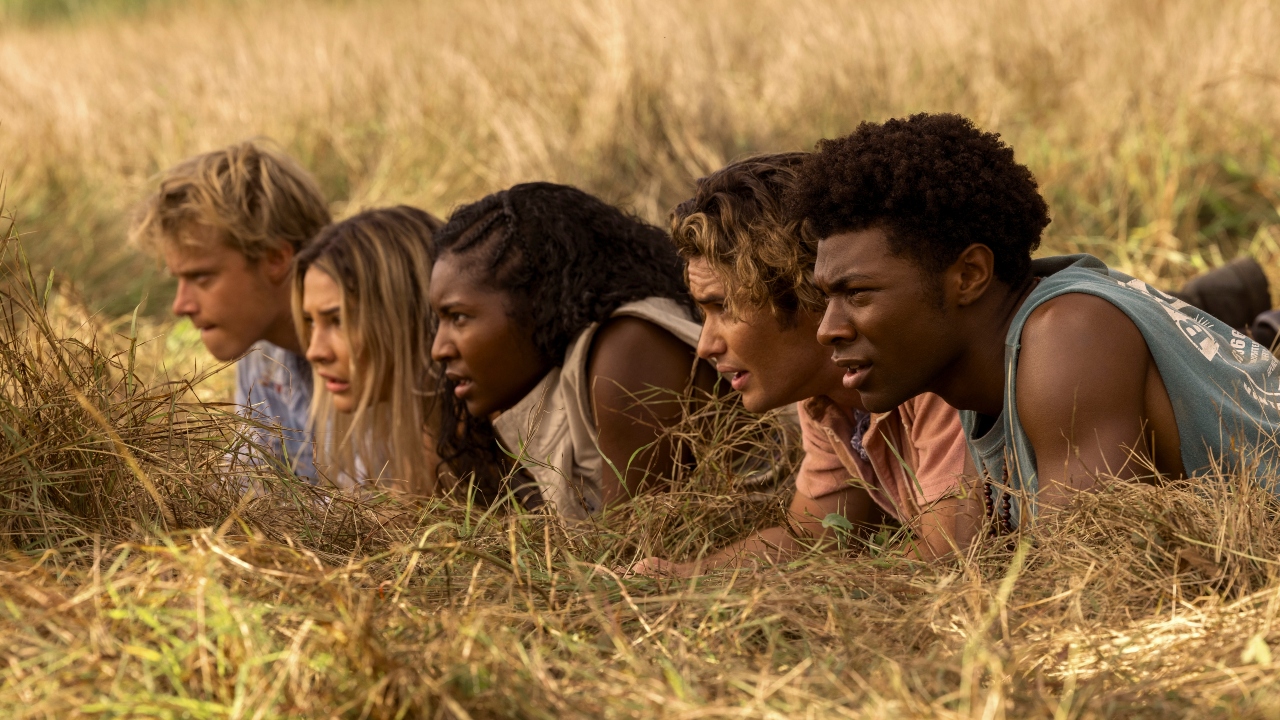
(567, 340)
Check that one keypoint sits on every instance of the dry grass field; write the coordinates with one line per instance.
(139, 579)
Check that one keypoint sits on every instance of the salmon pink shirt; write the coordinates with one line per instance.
(925, 433)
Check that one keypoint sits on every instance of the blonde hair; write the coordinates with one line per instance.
(737, 222)
(382, 261)
(254, 197)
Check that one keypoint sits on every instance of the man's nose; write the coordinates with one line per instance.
(184, 301)
(836, 327)
(710, 342)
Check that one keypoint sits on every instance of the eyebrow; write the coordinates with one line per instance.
(334, 310)
(711, 299)
(193, 271)
(448, 306)
(846, 280)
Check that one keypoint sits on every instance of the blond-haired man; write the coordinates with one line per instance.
(227, 224)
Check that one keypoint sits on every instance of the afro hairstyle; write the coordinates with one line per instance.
(934, 183)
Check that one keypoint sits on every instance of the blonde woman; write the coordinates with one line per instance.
(363, 318)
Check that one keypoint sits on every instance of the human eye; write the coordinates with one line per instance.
(710, 306)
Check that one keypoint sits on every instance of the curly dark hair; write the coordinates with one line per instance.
(935, 183)
(565, 259)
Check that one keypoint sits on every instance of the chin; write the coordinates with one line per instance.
(225, 350)
(759, 402)
(880, 402)
(225, 355)
(477, 410)
(773, 396)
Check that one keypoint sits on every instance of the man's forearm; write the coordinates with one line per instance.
(776, 544)
(770, 545)
(950, 524)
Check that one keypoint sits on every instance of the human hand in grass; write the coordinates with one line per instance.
(656, 567)
(770, 545)
(764, 547)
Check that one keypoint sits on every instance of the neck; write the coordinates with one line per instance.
(827, 380)
(829, 383)
(846, 398)
(282, 332)
(976, 381)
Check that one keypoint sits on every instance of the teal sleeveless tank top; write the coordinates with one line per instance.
(1223, 386)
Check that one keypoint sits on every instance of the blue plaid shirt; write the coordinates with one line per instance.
(273, 385)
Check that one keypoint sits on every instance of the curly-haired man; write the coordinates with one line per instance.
(1064, 370)
(750, 270)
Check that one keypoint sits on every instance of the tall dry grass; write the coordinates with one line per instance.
(1151, 124)
(139, 579)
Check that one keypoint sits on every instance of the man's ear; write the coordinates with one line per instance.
(277, 263)
(972, 273)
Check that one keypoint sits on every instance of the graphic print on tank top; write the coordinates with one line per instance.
(1253, 364)
(1223, 386)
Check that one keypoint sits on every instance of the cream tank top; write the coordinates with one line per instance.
(552, 430)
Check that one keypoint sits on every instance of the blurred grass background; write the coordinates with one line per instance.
(1150, 124)
(31, 12)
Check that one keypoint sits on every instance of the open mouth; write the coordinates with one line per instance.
(737, 378)
(334, 385)
(855, 375)
(462, 388)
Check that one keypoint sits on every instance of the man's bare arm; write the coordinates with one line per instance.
(1082, 375)
(946, 526)
(778, 544)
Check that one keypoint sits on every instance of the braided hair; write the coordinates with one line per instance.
(565, 260)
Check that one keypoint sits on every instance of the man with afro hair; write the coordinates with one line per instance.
(1064, 370)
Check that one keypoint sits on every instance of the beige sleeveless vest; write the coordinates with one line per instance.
(553, 429)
